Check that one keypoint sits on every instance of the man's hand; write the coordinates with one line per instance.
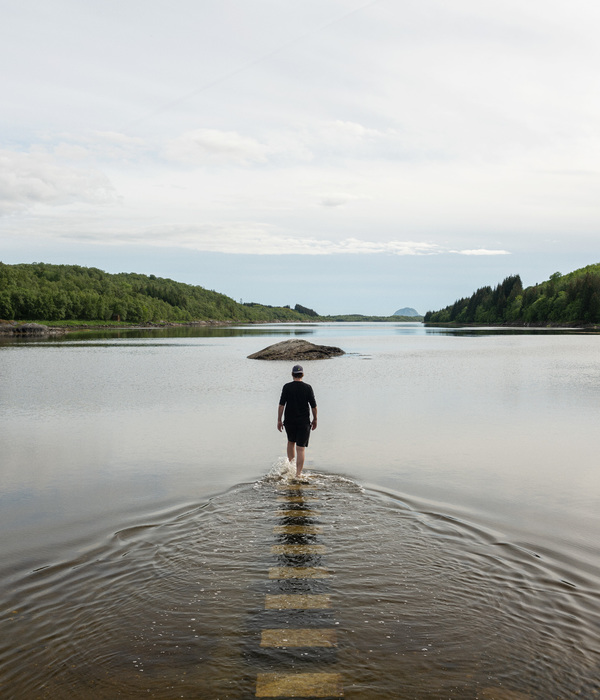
(313, 425)
(280, 425)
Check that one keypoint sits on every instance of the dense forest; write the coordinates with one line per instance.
(564, 299)
(43, 292)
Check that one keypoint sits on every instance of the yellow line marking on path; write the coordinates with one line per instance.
(298, 572)
(299, 685)
(297, 529)
(310, 637)
(296, 499)
(298, 549)
(297, 602)
(297, 513)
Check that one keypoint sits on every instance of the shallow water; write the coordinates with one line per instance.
(457, 491)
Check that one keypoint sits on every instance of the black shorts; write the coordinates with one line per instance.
(298, 433)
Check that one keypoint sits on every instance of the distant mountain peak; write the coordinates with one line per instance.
(406, 311)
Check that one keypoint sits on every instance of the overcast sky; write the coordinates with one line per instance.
(349, 156)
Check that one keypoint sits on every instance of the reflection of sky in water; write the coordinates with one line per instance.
(144, 475)
(494, 428)
(423, 602)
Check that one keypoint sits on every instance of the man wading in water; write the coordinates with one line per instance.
(296, 397)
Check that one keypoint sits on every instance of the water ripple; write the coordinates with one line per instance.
(431, 604)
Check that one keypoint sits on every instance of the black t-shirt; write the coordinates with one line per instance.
(297, 397)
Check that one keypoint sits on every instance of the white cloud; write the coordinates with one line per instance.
(112, 145)
(71, 151)
(102, 146)
(94, 146)
(483, 251)
(356, 246)
(212, 146)
(346, 140)
(282, 146)
(336, 199)
(345, 133)
(247, 238)
(36, 177)
(117, 138)
(421, 129)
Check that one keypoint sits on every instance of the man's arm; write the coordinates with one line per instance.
(313, 425)
(279, 417)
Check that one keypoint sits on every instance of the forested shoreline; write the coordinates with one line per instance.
(71, 294)
(571, 299)
(45, 292)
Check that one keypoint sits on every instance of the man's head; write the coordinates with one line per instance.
(297, 372)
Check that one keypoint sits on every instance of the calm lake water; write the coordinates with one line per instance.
(451, 530)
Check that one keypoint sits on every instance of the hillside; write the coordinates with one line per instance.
(41, 291)
(407, 311)
(571, 299)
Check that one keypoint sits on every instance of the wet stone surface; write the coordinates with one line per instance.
(294, 350)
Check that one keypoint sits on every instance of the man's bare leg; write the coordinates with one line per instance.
(291, 451)
(299, 460)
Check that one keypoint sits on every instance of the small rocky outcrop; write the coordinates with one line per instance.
(25, 329)
(292, 350)
(32, 329)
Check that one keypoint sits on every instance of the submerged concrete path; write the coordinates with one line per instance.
(305, 635)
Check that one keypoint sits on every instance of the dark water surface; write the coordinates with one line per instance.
(450, 531)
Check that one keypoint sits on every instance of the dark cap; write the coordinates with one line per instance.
(297, 369)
